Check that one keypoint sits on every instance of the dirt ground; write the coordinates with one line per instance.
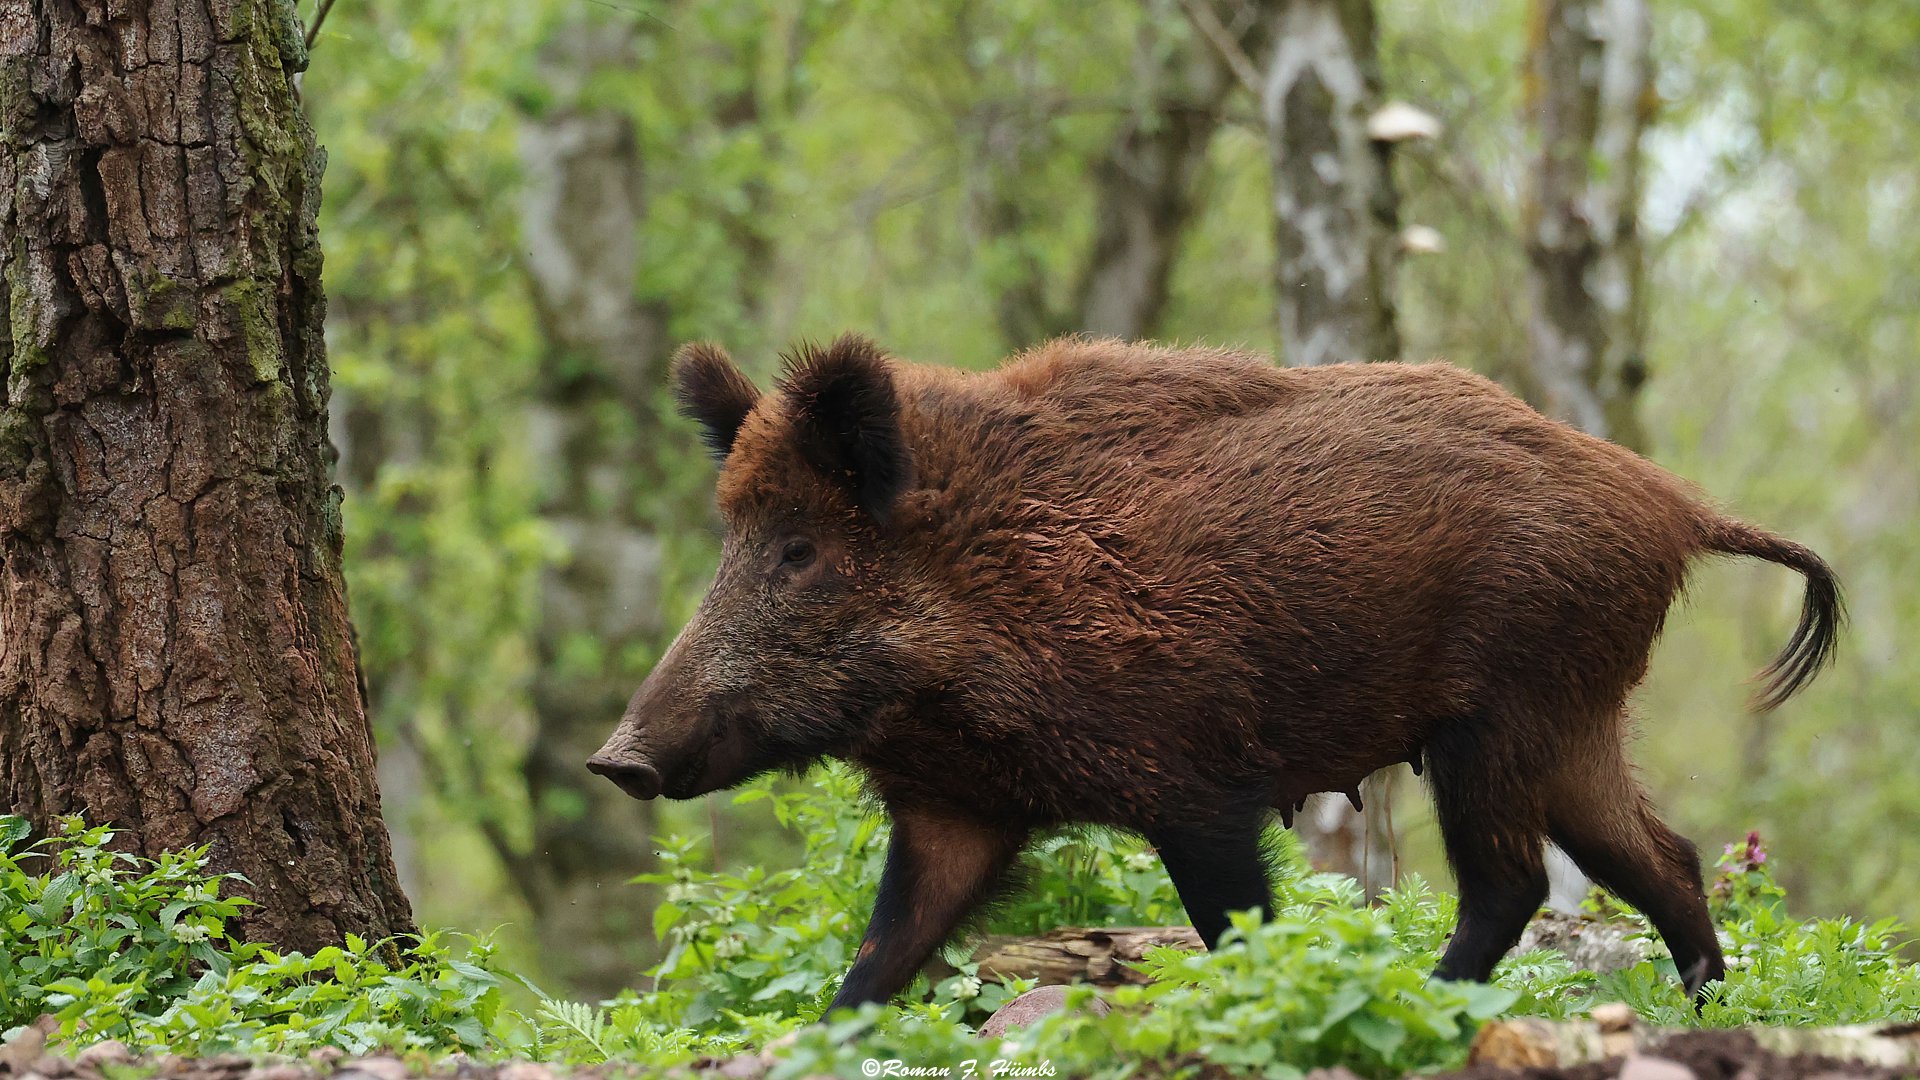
(1700, 1055)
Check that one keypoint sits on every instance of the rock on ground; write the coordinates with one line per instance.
(1028, 1008)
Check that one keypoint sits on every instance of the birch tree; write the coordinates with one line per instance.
(1335, 210)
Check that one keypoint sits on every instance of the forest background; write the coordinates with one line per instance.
(527, 206)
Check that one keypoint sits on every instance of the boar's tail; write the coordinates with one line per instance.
(1821, 612)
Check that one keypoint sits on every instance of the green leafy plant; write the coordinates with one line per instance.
(759, 942)
(1090, 877)
(79, 920)
(1782, 970)
(117, 946)
(1325, 987)
(1282, 998)
(777, 942)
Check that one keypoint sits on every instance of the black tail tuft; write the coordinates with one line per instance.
(1821, 614)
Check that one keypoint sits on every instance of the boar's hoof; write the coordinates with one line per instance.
(638, 779)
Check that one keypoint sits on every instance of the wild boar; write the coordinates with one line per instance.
(1171, 590)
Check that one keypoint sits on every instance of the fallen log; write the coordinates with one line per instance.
(1104, 957)
(1107, 956)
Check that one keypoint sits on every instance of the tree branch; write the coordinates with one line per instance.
(320, 16)
(1204, 20)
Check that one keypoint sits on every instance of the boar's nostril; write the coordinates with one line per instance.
(638, 779)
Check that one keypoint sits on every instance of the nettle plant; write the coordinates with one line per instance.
(1324, 983)
(79, 921)
(762, 942)
(116, 946)
(758, 942)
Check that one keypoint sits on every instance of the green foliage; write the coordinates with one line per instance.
(1332, 987)
(1091, 877)
(116, 946)
(776, 943)
(397, 995)
(1324, 985)
(760, 942)
(121, 947)
(1783, 971)
(79, 921)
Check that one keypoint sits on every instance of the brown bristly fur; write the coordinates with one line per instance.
(1166, 590)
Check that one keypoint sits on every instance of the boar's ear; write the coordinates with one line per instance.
(711, 391)
(847, 419)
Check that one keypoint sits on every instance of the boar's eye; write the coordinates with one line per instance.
(797, 553)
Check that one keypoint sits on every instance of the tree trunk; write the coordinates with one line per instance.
(1147, 186)
(175, 655)
(1589, 90)
(1335, 215)
(580, 227)
(594, 429)
(1335, 211)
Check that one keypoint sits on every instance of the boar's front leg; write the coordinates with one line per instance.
(1217, 868)
(939, 868)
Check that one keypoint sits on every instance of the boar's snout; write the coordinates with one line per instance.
(636, 778)
(665, 743)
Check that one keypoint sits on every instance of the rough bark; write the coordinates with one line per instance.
(1335, 210)
(175, 655)
(591, 428)
(1589, 92)
(1335, 214)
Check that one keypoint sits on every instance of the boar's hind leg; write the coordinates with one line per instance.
(1217, 869)
(1601, 817)
(938, 870)
(1494, 830)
